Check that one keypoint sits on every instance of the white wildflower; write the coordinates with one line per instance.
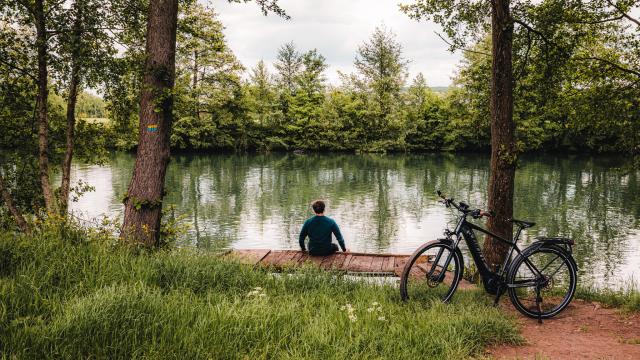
(370, 309)
(342, 308)
(382, 318)
(375, 303)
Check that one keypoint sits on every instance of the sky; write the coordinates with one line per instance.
(336, 28)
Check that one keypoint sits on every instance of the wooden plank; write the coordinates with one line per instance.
(354, 262)
(399, 264)
(283, 255)
(286, 259)
(376, 264)
(361, 263)
(252, 256)
(346, 262)
(296, 258)
(271, 258)
(388, 264)
(304, 257)
(338, 260)
(327, 261)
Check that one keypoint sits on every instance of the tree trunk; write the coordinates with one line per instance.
(503, 149)
(71, 110)
(17, 215)
(195, 84)
(68, 152)
(143, 202)
(43, 97)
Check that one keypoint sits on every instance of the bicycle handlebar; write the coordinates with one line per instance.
(464, 208)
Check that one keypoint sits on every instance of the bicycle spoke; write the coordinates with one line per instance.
(548, 272)
(428, 276)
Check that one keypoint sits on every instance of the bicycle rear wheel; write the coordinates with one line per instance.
(432, 272)
(549, 275)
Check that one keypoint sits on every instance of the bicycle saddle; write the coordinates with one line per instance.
(523, 224)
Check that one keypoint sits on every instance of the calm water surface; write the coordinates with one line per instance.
(387, 203)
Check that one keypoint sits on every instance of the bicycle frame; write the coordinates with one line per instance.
(493, 281)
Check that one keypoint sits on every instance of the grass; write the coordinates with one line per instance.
(65, 293)
(627, 298)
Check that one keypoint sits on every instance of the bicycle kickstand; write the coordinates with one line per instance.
(498, 295)
(538, 301)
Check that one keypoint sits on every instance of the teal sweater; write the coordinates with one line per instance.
(319, 230)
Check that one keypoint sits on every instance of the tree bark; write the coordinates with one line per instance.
(43, 98)
(195, 84)
(503, 148)
(143, 201)
(15, 212)
(74, 83)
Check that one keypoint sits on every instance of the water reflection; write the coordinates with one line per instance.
(387, 203)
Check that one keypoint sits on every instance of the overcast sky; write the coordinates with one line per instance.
(336, 28)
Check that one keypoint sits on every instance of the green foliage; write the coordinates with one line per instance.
(69, 295)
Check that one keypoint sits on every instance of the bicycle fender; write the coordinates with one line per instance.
(557, 243)
(563, 243)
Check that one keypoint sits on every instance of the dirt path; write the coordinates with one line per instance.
(582, 331)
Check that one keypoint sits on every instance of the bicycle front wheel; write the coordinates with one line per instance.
(431, 273)
(543, 282)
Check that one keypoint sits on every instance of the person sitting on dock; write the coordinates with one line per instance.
(319, 229)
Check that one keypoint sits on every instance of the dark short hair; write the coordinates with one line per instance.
(318, 206)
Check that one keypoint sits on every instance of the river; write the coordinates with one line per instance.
(387, 203)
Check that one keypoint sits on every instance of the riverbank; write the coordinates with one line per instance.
(67, 293)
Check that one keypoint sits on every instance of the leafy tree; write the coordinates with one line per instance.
(425, 117)
(461, 21)
(143, 202)
(381, 74)
(208, 78)
(288, 64)
(306, 104)
(262, 92)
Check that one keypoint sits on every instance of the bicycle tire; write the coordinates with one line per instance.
(517, 295)
(411, 272)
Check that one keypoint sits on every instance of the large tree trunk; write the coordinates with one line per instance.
(15, 212)
(503, 151)
(143, 202)
(74, 83)
(43, 97)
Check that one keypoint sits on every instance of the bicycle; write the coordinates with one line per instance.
(536, 288)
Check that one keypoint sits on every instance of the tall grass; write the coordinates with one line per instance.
(66, 294)
(627, 297)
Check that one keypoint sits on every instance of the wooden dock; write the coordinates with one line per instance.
(353, 262)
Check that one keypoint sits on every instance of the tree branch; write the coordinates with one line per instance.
(17, 214)
(598, 21)
(465, 50)
(611, 63)
(23, 71)
(531, 29)
(624, 14)
(549, 42)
